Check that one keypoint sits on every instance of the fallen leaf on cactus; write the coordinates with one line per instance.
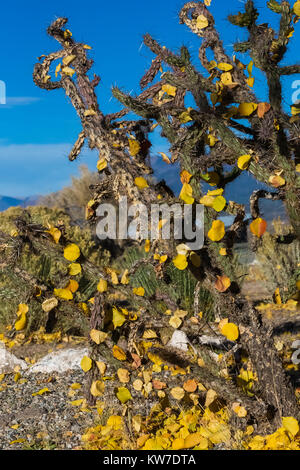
(118, 318)
(217, 231)
(123, 375)
(124, 395)
(55, 233)
(277, 181)
(21, 323)
(68, 71)
(86, 363)
(230, 331)
(190, 385)
(71, 252)
(101, 164)
(177, 393)
(180, 262)
(64, 294)
(97, 388)
(201, 22)
(289, 423)
(239, 410)
(222, 283)
(49, 304)
(258, 227)
(41, 392)
(185, 176)
(140, 291)
(243, 162)
(134, 147)
(98, 336)
(140, 182)
(186, 194)
(219, 203)
(74, 269)
(211, 395)
(262, 109)
(169, 89)
(118, 353)
(296, 8)
(224, 66)
(246, 109)
(68, 59)
(102, 285)
(125, 278)
(72, 286)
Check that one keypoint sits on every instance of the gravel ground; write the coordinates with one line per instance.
(46, 421)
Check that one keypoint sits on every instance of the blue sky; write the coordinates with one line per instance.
(39, 127)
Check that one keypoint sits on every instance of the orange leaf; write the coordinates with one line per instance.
(262, 109)
(190, 385)
(258, 227)
(222, 283)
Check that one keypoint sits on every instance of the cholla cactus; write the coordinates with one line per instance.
(228, 126)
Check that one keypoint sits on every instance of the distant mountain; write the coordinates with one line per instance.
(6, 202)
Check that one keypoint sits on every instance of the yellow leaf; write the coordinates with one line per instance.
(68, 59)
(178, 444)
(169, 89)
(298, 168)
(67, 34)
(125, 278)
(175, 322)
(147, 246)
(290, 424)
(124, 395)
(246, 109)
(250, 81)
(115, 422)
(138, 385)
(102, 285)
(113, 275)
(22, 309)
(277, 296)
(201, 22)
(118, 353)
(72, 285)
(49, 304)
(296, 8)
(295, 110)
(74, 269)
(101, 164)
(243, 162)
(41, 392)
(239, 410)
(139, 291)
(140, 182)
(87, 47)
(86, 363)
(97, 388)
(123, 375)
(207, 200)
(231, 331)
(98, 336)
(193, 440)
(223, 251)
(64, 294)
(225, 67)
(180, 262)
(177, 393)
(71, 252)
(89, 112)
(226, 78)
(185, 176)
(118, 318)
(184, 117)
(217, 231)
(277, 181)
(211, 395)
(55, 233)
(68, 71)
(134, 147)
(21, 323)
(186, 194)
(219, 203)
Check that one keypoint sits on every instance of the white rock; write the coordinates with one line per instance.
(59, 361)
(9, 361)
(179, 340)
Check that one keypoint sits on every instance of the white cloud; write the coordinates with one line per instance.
(12, 101)
(29, 169)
